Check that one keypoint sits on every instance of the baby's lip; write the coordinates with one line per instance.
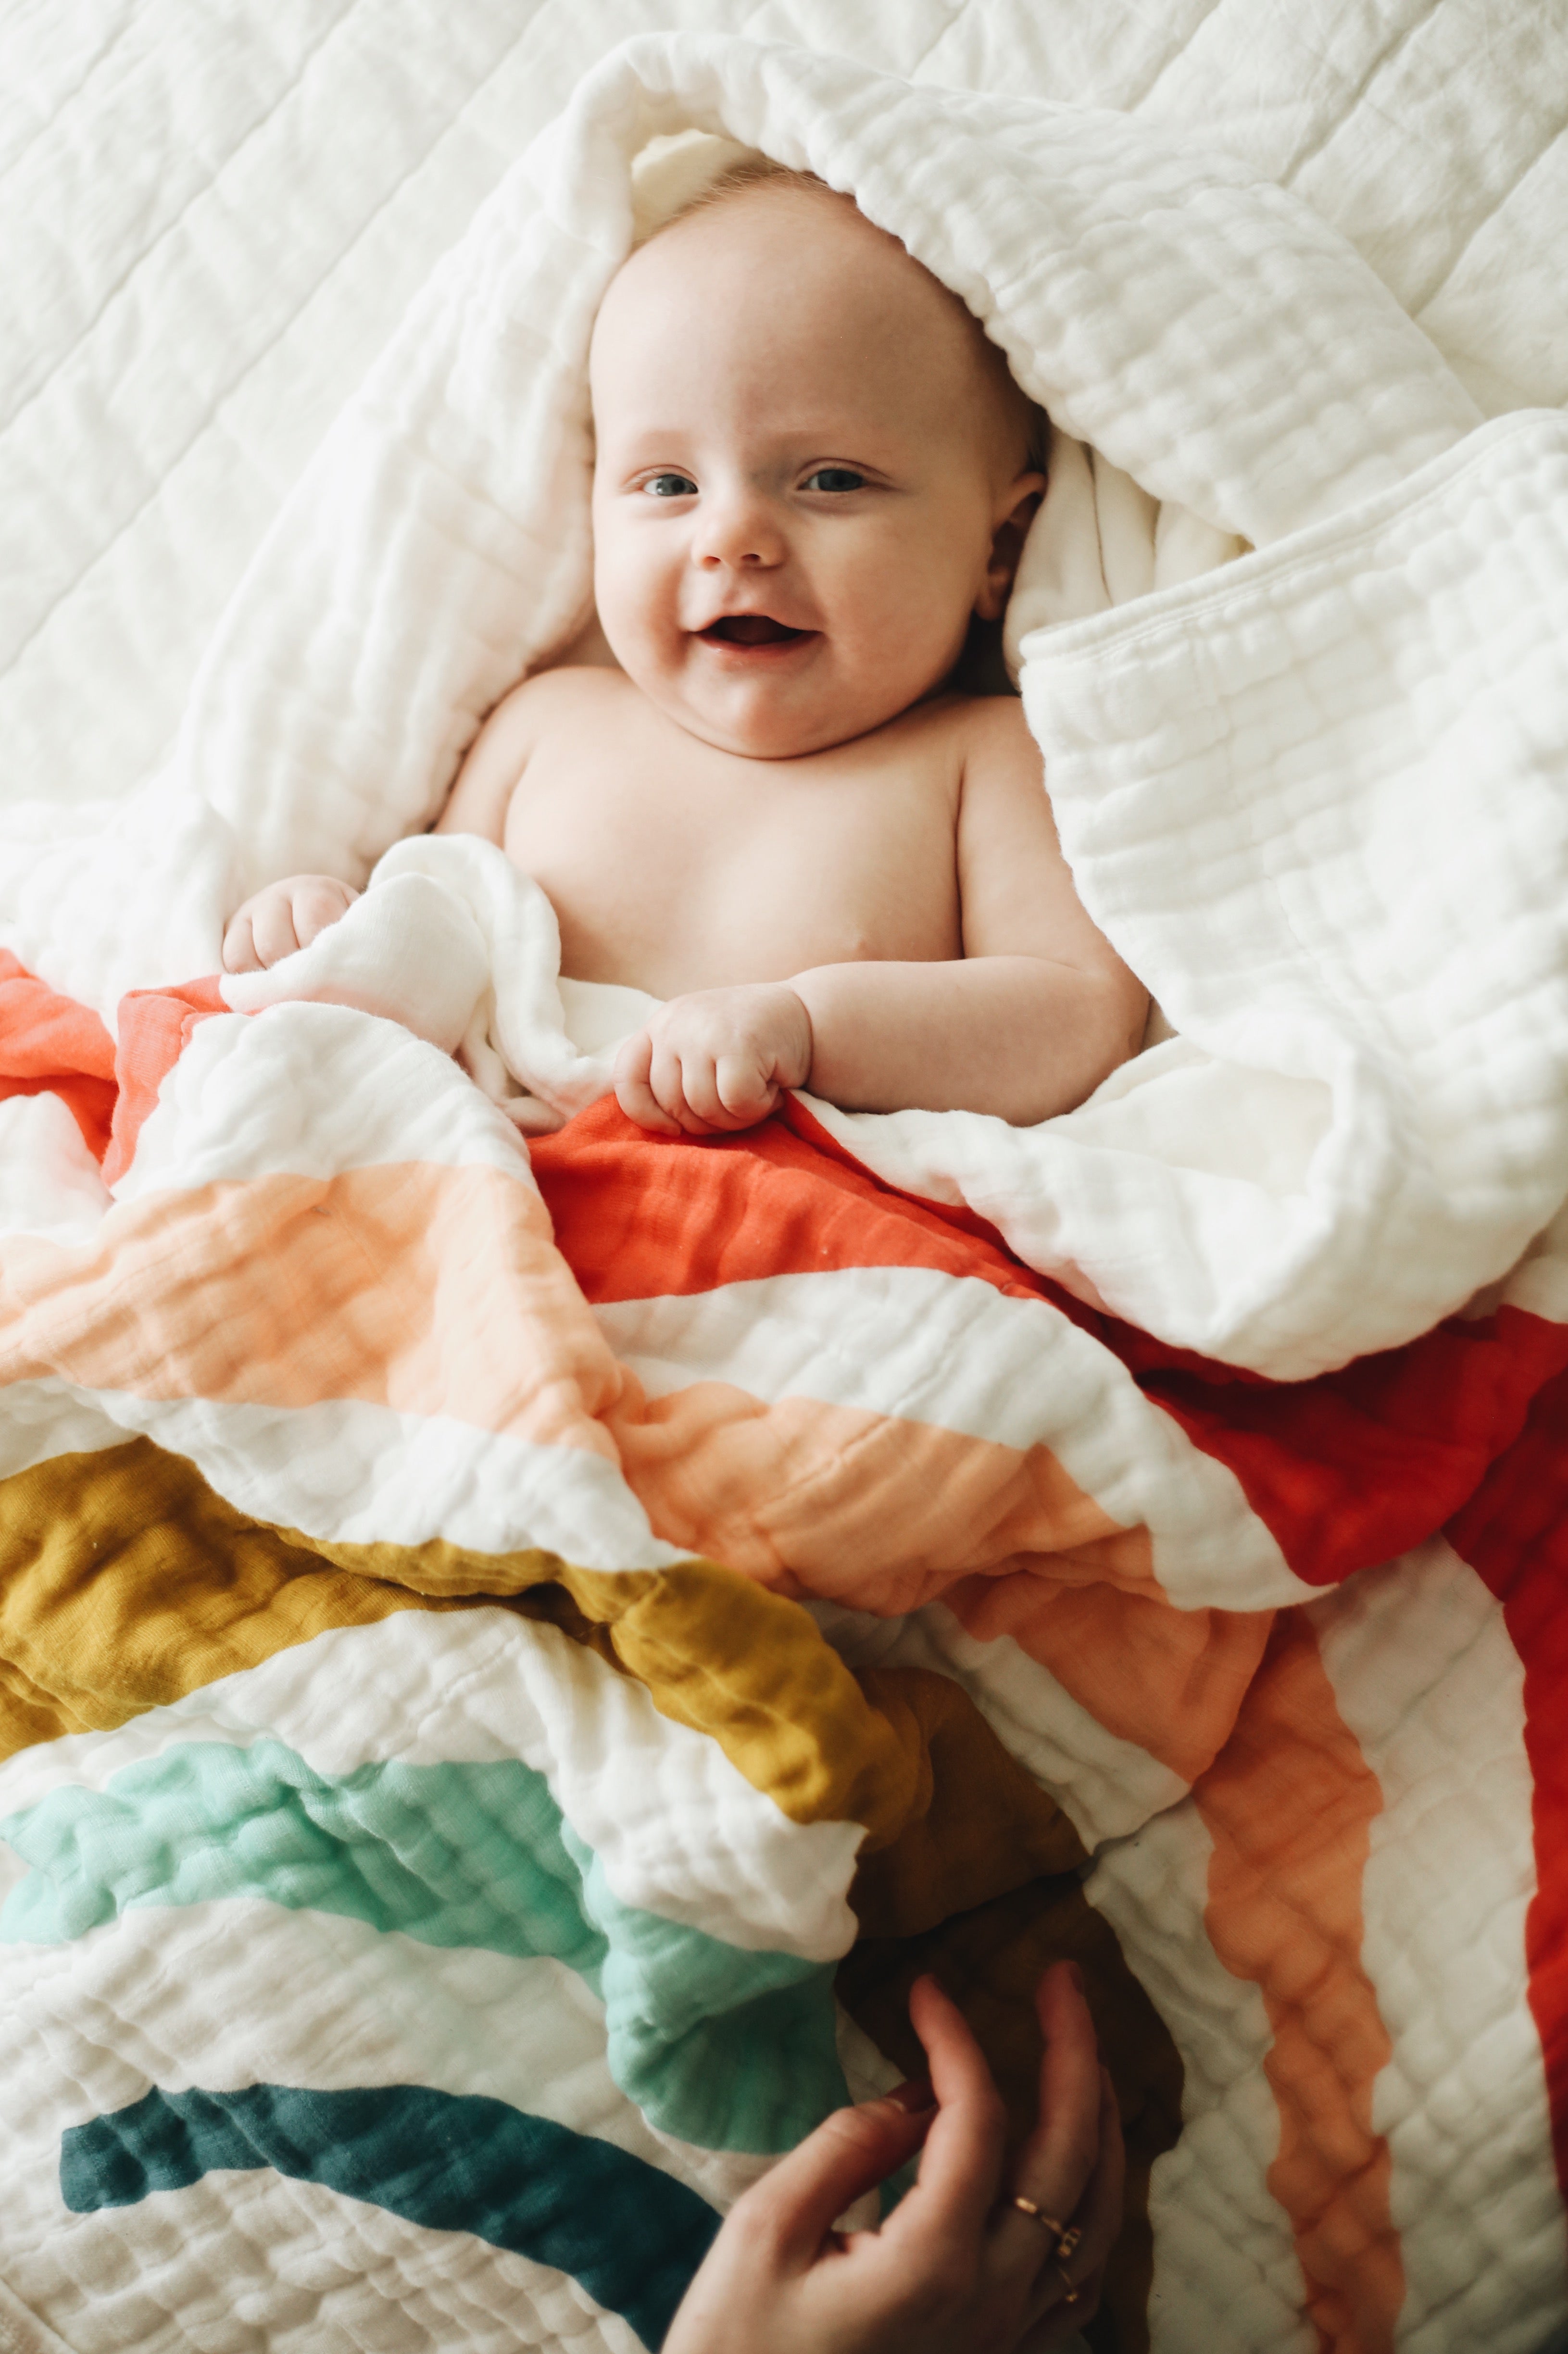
(754, 632)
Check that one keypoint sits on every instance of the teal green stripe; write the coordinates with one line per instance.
(724, 2048)
(633, 2235)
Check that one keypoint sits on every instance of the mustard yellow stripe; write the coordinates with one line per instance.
(126, 1582)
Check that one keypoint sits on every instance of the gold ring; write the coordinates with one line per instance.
(1070, 2295)
(1067, 2242)
(1047, 2223)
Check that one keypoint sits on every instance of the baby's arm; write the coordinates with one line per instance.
(1036, 1013)
(1039, 1009)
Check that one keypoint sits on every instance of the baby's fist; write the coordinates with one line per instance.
(714, 1060)
(287, 916)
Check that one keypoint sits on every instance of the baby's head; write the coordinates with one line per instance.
(811, 469)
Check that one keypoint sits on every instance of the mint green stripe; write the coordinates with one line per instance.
(724, 2048)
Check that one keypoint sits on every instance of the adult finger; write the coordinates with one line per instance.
(1098, 2219)
(1055, 2164)
(797, 2202)
(961, 2163)
(632, 1092)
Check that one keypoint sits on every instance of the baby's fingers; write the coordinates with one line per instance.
(318, 903)
(744, 1094)
(239, 945)
(273, 928)
(632, 1092)
(674, 1077)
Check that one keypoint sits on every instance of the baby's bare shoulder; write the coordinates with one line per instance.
(548, 703)
(993, 726)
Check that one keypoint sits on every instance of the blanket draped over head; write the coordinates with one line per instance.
(414, 1741)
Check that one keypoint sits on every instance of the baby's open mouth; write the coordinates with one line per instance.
(752, 630)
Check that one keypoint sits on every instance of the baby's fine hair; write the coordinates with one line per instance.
(750, 172)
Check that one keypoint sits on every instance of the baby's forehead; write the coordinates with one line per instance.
(778, 267)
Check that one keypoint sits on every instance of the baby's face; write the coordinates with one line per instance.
(803, 467)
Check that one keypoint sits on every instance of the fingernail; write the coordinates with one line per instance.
(1075, 1974)
(914, 2097)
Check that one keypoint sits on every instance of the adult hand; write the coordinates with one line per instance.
(284, 917)
(957, 2268)
(715, 1060)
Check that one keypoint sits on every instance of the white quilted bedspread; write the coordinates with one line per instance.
(293, 434)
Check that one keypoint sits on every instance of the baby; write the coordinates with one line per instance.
(812, 472)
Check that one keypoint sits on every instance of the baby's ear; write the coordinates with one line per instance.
(1018, 506)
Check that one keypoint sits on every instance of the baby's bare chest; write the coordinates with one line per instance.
(675, 866)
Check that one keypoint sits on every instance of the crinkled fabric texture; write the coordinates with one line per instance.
(486, 1625)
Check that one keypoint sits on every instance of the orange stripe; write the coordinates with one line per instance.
(427, 1289)
(1169, 1679)
(859, 1507)
(1290, 1804)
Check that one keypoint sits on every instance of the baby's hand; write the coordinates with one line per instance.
(281, 919)
(714, 1060)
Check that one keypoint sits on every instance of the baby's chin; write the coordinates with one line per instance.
(772, 717)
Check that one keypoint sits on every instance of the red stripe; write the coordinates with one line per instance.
(1514, 1534)
(1345, 1471)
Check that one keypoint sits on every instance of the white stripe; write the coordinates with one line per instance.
(182, 1984)
(39, 1420)
(955, 1351)
(50, 1181)
(1226, 2269)
(355, 1472)
(678, 1828)
(1540, 1282)
(1426, 1678)
(310, 1091)
(254, 2258)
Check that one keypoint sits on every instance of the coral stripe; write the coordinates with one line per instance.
(1290, 1804)
(154, 1028)
(429, 1290)
(1514, 1534)
(864, 1508)
(1169, 1679)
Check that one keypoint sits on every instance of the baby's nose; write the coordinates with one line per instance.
(739, 532)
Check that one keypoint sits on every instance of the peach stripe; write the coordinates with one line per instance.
(1288, 1806)
(857, 1506)
(427, 1289)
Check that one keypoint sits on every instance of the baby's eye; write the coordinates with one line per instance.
(835, 478)
(668, 486)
